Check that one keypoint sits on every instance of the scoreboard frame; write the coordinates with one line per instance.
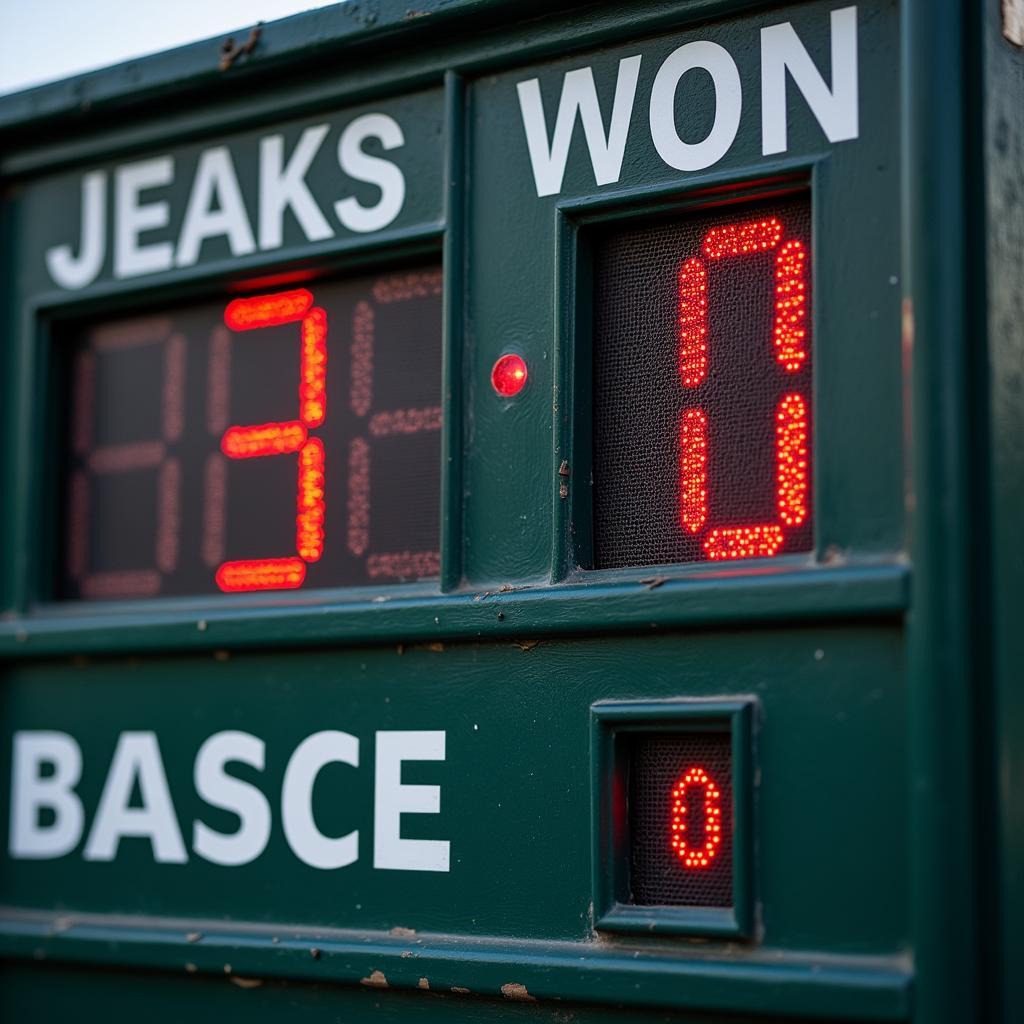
(956, 596)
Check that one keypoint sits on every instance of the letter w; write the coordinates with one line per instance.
(578, 93)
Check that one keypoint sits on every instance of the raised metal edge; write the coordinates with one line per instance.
(511, 613)
(770, 982)
(611, 721)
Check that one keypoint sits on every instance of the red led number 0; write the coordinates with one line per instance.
(753, 540)
(282, 438)
(696, 852)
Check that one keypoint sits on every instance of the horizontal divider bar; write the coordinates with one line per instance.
(847, 988)
(506, 612)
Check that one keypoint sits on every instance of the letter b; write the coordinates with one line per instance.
(31, 791)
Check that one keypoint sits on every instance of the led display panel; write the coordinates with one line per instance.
(681, 820)
(267, 442)
(702, 411)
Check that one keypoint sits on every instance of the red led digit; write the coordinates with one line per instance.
(386, 423)
(115, 459)
(792, 428)
(790, 305)
(693, 322)
(268, 439)
(744, 238)
(693, 470)
(791, 459)
(696, 847)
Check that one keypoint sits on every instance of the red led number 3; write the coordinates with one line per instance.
(789, 334)
(283, 438)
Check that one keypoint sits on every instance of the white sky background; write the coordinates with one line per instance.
(43, 40)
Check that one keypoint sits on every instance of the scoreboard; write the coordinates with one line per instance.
(510, 510)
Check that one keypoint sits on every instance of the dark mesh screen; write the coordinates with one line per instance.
(659, 875)
(649, 507)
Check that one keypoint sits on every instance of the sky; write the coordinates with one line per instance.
(44, 40)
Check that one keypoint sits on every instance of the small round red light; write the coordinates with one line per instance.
(509, 375)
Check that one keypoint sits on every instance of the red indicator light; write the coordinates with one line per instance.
(696, 850)
(509, 375)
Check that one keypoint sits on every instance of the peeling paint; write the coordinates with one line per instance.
(514, 990)
(404, 933)
(424, 984)
(246, 982)
(1013, 21)
(375, 980)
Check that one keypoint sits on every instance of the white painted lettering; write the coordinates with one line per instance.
(578, 94)
(836, 108)
(392, 799)
(308, 843)
(32, 792)
(358, 164)
(131, 218)
(222, 790)
(215, 182)
(694, 156)
(136, 761)
(68, 270)
(283, 186)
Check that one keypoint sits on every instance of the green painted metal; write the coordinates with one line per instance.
(885, 833)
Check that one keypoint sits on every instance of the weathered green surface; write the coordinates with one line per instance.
(871, 735)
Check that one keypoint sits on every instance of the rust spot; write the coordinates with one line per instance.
(191, 968)
(654, 582)
(436, 647)
(513, 990)
(246, 982)
(526, 645)
(423, 983)
(229, 52)
(375, 980)
(221, 655)
(461, 991)
(563, 490)
(402, 932)
(563, 469)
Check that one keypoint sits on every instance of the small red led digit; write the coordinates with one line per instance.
(132, 457)
(756, 540)
(267, 439)
(696, 848)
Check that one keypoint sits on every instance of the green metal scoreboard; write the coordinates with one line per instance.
(513, 513)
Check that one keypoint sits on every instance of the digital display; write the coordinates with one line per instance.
(702, 387)
(681, 820)
(269, 442)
